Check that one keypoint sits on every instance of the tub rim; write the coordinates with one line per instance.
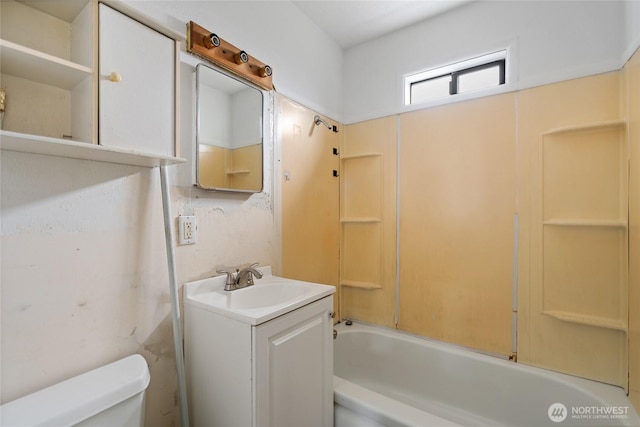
(604, 394)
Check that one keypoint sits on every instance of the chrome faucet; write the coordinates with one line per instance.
(241, 278)
(245, 276)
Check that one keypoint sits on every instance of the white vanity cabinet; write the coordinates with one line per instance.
(60, 99)
(275, 374)
(294, 368)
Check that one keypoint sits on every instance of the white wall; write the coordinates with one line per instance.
(84, 270)
(632, 27)
(307, 64)
(550, 41)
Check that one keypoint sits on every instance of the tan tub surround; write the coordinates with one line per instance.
(457, 200)
(556, 156)
(573, 287)
(309, 218)
(368, 221)
(631, 86)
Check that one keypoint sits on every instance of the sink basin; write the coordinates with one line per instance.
(267, 294)
(268, 298)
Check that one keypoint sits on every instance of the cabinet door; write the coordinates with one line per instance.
(137, 112)
(294, 368)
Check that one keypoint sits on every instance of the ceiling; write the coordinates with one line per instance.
(348, 22)
(351, 22)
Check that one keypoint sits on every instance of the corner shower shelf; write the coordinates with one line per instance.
(584, 319)
(360, 220)
(360, 285)
(593, 126)
(24, 143)
(360, 156)
(586, 223)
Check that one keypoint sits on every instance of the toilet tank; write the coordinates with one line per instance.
(112, 395)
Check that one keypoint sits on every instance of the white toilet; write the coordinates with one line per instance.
(112, 395)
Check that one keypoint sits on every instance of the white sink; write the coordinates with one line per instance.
(269, 297)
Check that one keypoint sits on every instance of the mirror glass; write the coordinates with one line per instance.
(229, 132)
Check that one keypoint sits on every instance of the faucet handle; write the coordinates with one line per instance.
(231, 281)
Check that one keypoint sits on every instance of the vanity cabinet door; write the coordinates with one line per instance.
(294, 368)
(137, 85)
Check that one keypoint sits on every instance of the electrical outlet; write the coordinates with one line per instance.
(186, 229)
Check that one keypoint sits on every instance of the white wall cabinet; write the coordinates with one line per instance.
(278, 373)
(47, 68)
(56, 102)
(138, 111)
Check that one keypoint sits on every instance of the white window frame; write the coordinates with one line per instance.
(452, 68)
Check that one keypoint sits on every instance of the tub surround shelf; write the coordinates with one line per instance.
(586, 222)
(584, 319)
(587, 127)
(581, 285)
(34, 144)
(360, 156)
(40, 67)
(360, 285)
(360, 220)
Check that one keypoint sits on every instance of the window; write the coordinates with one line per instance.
(479, 73)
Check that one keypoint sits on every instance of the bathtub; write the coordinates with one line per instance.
(388, 378)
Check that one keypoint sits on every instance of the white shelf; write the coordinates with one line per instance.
(40, 67)
(13, 141)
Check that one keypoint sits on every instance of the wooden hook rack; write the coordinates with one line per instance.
(209, 46)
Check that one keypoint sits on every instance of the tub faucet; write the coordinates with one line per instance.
(241, 278)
